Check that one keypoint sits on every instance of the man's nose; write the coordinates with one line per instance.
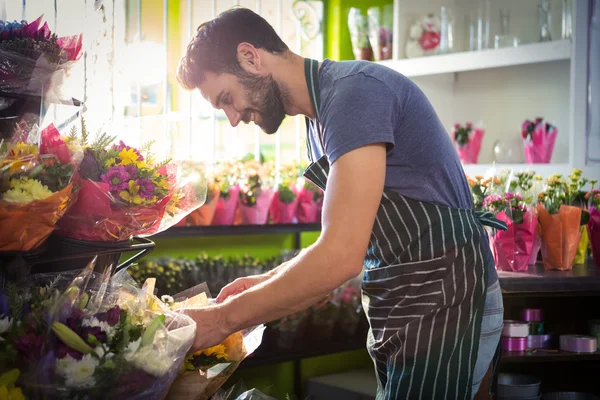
(234, 116)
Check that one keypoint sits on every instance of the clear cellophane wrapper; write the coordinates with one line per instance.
(95, 335)
(127, 193)
(35, 63)
(560, 234)
(205, 371)
(37, 170)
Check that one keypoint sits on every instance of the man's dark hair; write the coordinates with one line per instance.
(214, 47)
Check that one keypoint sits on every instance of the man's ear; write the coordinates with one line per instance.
(249, 58)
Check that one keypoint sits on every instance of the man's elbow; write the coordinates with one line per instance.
(343, 263)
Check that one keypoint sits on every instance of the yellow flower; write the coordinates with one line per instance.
(131, 195)
(110, 162)
(25, 190)
(22, 149)
(128, 157)
(217, 351)
(8, 391)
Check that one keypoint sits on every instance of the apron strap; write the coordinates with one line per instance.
(311, 74)
(486, 218)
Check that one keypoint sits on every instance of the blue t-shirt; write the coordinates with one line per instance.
(364, 103)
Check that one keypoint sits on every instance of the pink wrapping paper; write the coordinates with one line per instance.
(537, 246)
(257, 214)
(283, 213)
(513, 247)
(469, 153)
(594, 234)
(307, 209)
(539, 149)
(225, 210)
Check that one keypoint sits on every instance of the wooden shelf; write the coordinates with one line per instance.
(485, 59)
(542, 356)
(537, 281)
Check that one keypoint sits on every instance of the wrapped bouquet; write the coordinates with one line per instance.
(593, 198)
(480, 188)
(256, 192)
(125, 192)
(560, 220)
(310, 199)
(467, 140)
(205, 371)
(226, 179)
(285, 201)
(36, 187)
(34, 64)
(203, 216)
(512, 248)
(92, 336)
(538, 140)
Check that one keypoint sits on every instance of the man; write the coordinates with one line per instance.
(396, 202)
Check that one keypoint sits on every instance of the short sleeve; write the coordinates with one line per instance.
(359, 110)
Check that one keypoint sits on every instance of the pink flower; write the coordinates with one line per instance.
(469, 125)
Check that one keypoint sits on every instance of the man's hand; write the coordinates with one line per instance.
(211, 327)
(240, 285)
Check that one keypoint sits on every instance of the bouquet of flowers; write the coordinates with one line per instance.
(380, 31)
(512, 248)
(561, 221)
(205, 371)
(91, 336)
(203, 216)
(225, 176)
(125, 192)
(528, 185)
(36, 186)
(34, 64)
(538, 140)
(256, 192)
(285, 201)
(481, 188)
(593, 198)
(467, 140)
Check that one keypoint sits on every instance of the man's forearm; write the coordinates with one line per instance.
(300, 283)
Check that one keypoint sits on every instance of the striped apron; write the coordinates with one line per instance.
(423, 288)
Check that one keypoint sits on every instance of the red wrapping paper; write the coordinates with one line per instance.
(284, 213)
(539, 149)
(94, 217)
(594, 234)
(512, 248)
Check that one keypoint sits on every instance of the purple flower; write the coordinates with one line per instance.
(30, 346)
(75, 319)
(63, 350)
(132, 171)
(146, 188)
(111, 316)
(123, 146)
(89, 167)
(117, 177)
(95, 331)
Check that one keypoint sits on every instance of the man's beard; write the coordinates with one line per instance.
(265, 97)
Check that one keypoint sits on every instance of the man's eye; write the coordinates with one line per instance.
(227, 100)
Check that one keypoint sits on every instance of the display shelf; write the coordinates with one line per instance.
(238, 230)
(486, 59)
(537, 280)
(546, 356)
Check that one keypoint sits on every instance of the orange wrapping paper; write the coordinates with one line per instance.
(560, 235)
(203, 216)
(24, 227)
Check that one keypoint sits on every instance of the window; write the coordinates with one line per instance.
(127, 74)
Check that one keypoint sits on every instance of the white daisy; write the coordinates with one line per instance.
(80, 373)
(5, 323)
(103, 325)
